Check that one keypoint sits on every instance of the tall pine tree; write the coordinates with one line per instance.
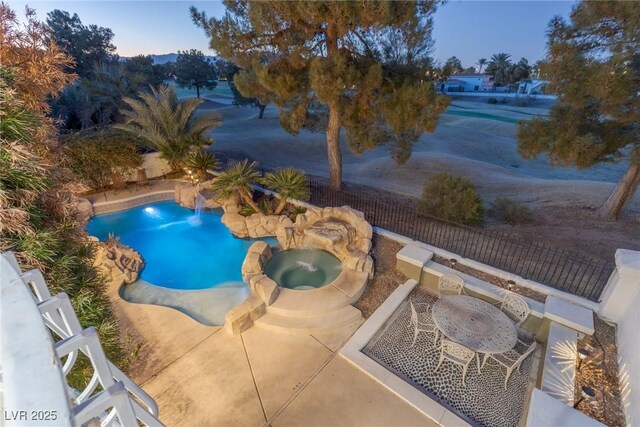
(365, 62)
(593, 65)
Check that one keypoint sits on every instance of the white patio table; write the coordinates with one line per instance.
(475, 324)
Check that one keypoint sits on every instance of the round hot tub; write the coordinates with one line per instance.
(302, 269)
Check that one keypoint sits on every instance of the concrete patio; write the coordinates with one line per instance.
(201, 375)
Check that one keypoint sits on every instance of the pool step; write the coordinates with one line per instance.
(345, 290)
(309, 324)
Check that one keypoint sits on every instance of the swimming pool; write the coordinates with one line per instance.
(189, 259)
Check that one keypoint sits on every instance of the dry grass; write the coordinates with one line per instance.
(600, 372)
(496, 281)
(386, 278)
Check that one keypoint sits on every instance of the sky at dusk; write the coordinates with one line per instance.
(468, 29)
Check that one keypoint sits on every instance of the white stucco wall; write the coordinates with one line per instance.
(629, 359)
(33, 389)
(621, 305)
(154, 165)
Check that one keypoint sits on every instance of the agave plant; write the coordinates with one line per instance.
(289, 183)
(167, 124)
(239, 179)
(200, 161)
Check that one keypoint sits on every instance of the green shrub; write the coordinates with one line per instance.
(246, 210)
(523, 101)
(503, 100)
(266, 205)
(453, 198)
(200, 161)
(492, 100)
(96, 157)
(289, 183)
(510, 211)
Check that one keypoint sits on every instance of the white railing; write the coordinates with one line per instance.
(118, 399)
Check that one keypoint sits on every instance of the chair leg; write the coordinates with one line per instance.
(439, 363)
(464, 374)
(415, 336)
(484, 359)
(506, 377)
(478, 360)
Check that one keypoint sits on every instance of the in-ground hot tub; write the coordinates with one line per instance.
(302, 269)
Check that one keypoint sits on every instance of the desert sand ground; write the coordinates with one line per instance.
(483, 149)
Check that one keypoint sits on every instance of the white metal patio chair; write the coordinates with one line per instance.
(458, 354)
(422, 323)
(512, 360)
(450, 284)
(514, 306)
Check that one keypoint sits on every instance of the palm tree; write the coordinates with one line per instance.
(201, 161)
(103, 95)
(288, 183)
(167, 124)
(498, 67)
(500, 59)
(481, 63)
(239, 179)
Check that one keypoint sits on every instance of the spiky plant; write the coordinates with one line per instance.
(289, 183)
(37, 202)
(239, 179)
(168, 124)
(200, 161)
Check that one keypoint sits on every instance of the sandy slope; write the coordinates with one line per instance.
(481, 149)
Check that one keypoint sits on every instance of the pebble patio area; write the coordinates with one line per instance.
(483, 402)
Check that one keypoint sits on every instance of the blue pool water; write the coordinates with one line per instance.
(179, 252)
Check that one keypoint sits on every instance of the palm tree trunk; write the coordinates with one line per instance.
(249, 200)
(281, 205)
(198, 91)
(262, 108)
(622, 194)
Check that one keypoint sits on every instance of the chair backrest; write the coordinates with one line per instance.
(515, 307)
(141, 177)
(526, 354)
(118, 181)
(457, 351)
(450, 284)
(414, 313)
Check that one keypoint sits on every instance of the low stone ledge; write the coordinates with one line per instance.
(241, 317)
(84, 209)
(256, 225)
(544, 410)
(251, 266)
(559, 370)
(118, 262)
(135, 201)
(236, 224)
(267, 289)
(573, 316)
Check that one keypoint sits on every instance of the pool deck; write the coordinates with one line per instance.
(201, 375)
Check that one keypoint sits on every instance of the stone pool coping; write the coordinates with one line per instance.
(100, 208)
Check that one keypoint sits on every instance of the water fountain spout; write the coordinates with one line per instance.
(200, 201)
(311, 261)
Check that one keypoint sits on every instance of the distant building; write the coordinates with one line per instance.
(533, 86)
(468, 83)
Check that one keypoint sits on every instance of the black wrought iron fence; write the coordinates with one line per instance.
(564, 270)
